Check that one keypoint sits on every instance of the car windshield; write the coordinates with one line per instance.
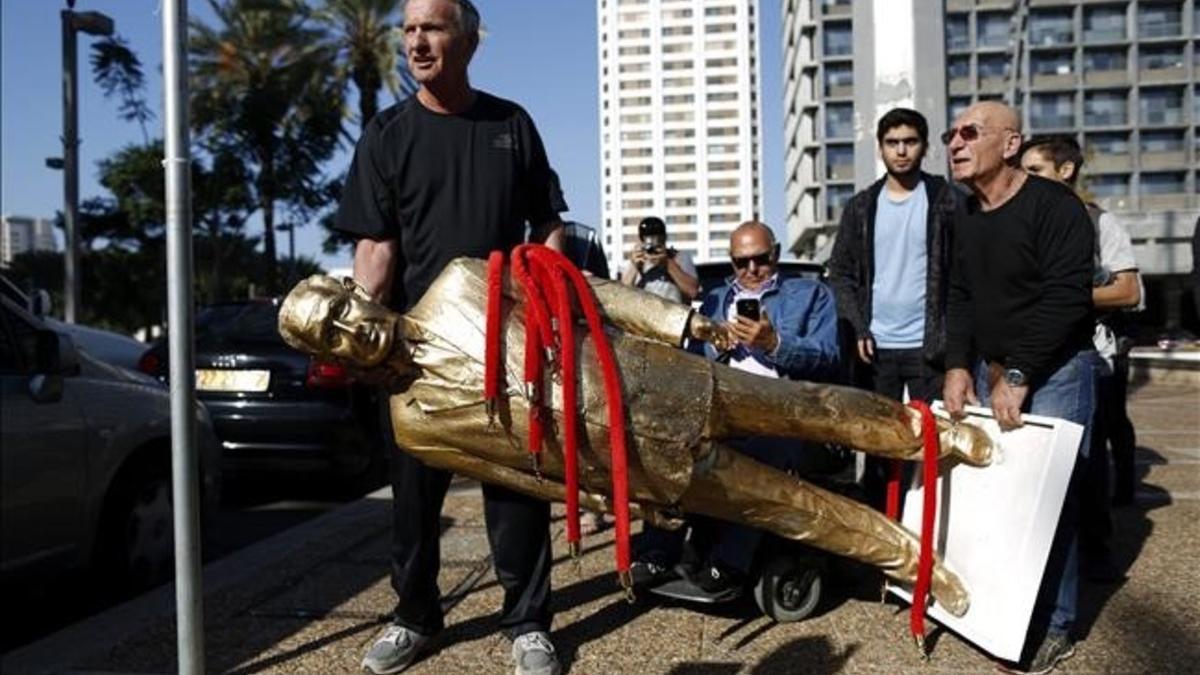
(248, 321)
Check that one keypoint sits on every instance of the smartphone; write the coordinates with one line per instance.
(749, 308)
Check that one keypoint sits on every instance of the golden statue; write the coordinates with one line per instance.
(681, 407)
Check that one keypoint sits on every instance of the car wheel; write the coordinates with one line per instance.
(138, 537)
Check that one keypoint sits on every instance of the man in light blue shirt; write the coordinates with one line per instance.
(889, 270)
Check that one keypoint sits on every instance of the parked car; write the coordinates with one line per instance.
(274, 408)
(86, 450)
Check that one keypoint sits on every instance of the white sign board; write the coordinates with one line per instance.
(995, 525)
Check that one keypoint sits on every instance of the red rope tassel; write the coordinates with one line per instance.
(929, 479)
(537, 333)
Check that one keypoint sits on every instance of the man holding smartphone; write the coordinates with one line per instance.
(784, 328)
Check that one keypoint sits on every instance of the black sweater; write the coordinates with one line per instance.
(1021, 281)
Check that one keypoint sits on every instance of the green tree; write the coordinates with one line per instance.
(368, 44)
(118, 71)
(265, 90)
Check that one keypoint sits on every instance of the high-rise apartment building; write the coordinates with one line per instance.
(679, 121)
(1121, 76)
(22, 234)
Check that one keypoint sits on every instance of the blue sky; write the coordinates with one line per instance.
(540, 53)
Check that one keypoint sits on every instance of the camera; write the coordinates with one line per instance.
(652, 248)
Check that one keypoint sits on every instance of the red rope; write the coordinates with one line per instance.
(491, 359)
(929, 477)
(895, 471)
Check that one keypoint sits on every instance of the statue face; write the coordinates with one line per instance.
(329, 319)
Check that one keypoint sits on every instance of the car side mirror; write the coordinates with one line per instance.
(40, 303)
(46, 387)
(56, 354)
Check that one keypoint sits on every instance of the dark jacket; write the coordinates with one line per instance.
(852, 265)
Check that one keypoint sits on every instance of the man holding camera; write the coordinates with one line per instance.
(658, 269)
(785, 328)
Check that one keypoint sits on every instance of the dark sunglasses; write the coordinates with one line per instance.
(968, 132)
(761, 259)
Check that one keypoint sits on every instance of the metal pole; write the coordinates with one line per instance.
(70, 139)
(184, 462)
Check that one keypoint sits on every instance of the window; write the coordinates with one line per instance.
(673, 99)
(836, 197)
(1052, 111)
(675, 150)
(677, 48)
(638, 50)
(1102, 60)
(1162, 183)
(1160, 20)
(993, 65)
(955, 107)
(727, 165)
(1109, 185)
(678, 65)
(634, 101)
(720, 27)
(839, 39)
(1167, 57)
(680, 185)
(679, 133)
(839, 159)
(1105, 108)
(678, 81)
(1051, 28)
(839, 120)
(679, 116)
(992, 29)
(1161, 106)
(1162, 141)
(720, 11)
(1108, 144)
(715, 96)
(958, 33)
(686, 167)
(839, 77)
(632, 34)
(1103, 24)
(957, 67)
(1053, 63)
(635, 135)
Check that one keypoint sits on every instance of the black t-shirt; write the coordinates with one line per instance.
(1021, 280)
(446, 186)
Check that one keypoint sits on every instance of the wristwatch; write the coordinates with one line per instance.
(1015, 377)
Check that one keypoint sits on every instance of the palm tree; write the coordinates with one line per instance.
(368, 48)
(265, 87)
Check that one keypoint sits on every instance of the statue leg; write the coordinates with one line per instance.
(749, 405)
(733, 487)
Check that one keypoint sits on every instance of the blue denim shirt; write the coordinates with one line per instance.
(804, 315)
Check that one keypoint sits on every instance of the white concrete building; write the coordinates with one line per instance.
(22, 234)
(679, 121)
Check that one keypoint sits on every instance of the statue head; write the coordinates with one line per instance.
(338, 321)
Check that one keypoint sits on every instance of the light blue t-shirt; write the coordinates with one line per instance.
(898, 290)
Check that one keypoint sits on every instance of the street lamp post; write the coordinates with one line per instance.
(92, 23)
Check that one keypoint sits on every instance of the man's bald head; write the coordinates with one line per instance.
(754, 253)
(994, 130)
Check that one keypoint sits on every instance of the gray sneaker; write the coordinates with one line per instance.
(534, 654)
(394, 650)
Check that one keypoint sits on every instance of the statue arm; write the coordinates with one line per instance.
(646, 315)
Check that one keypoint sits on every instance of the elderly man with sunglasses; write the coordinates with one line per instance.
(1019, 313)
(784, 328)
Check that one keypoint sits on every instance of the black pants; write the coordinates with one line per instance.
(1110, 424)
(889, 373)
(518, 533)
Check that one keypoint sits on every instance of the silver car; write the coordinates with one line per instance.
(86, 460)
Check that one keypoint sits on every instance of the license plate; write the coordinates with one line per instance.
(232, 380)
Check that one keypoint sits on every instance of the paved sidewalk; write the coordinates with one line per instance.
(312, 599)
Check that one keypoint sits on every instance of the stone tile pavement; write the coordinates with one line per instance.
(313, 599)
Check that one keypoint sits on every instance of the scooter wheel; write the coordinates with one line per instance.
(789, 588)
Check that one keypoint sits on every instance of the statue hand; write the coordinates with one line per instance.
(718, 335)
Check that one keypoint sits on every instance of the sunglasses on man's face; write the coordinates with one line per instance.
(968, 132)
(760, 259)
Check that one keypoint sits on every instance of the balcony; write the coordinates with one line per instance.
(1164, 160)
(836, 9)
(1104, 119)
(839, 171)
(1175, 73)
(1054, 81)
(958, 5)
(1102, 78)
(1166, 117)
(1164, 29)
(960, 85)
(1052, 121)
(1102, 35)
(993, 84)
(994, 4)
(1163, 202)
(1108, 163)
